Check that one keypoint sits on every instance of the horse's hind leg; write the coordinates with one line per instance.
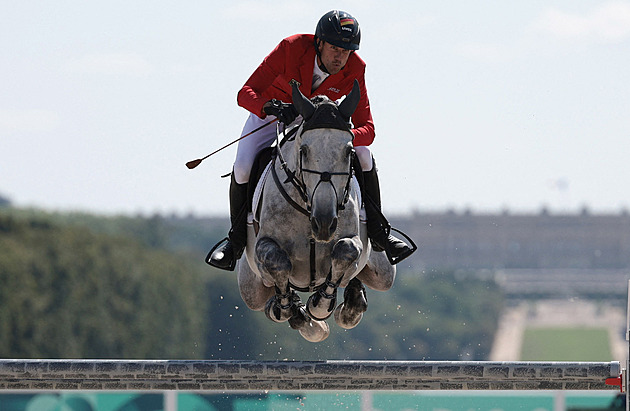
(345, 255)
(378, 274)
(253, 291)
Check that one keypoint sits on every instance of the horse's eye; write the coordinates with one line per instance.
(304, 150)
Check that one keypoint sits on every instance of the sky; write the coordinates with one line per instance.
(485, 106)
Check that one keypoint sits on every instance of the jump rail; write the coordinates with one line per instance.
(303, 375)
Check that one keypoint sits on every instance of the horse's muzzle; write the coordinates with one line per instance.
(324, 227)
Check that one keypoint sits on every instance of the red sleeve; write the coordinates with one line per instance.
(362, 119)
(250, 95)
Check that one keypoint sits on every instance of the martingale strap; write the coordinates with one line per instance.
(312, 270)
(325, 118)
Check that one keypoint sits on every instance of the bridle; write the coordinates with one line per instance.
(297, 180)
(317, 114)
(326, 177)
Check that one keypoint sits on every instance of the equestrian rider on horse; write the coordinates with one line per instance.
(328, 62)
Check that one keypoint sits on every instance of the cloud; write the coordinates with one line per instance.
(34, 120)
(609, 22)
(125, 64)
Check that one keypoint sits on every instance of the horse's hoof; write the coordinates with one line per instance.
(345, 319)
(315, 331)
(276, 312)
(321, 308)
(350, 311)
(312, 330)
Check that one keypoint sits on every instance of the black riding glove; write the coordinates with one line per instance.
(285, 112)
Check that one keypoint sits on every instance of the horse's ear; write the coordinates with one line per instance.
(301, 103)
(350, 103)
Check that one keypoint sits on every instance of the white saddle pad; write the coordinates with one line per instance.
(256, 200)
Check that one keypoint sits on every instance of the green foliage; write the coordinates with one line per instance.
(433, 316)
(80, 285)
(429, 316)
(67, 292)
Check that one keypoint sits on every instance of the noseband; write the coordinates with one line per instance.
(323, 120)
(326, 177)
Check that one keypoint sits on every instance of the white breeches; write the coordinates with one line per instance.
(250, 146)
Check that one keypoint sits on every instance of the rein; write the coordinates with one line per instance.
(300, 186)
(291, 178)
(323, 115)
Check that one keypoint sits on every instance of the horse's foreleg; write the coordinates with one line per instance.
(286, 304)
(345, 255)
(312, 330)
(350, 312)
(274, 262)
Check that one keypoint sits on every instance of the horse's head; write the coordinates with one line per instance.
(325, 153)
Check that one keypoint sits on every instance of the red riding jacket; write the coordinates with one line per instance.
(294, 58)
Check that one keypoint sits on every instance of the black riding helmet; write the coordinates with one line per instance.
(339, 29)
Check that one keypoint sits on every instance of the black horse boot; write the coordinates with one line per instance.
(379, 229)
(225, 254)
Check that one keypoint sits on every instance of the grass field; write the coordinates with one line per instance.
(566, 344)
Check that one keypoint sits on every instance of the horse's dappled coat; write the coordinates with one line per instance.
(323, 250)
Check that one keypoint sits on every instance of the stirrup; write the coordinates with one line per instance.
(396, 260)
(209, 261)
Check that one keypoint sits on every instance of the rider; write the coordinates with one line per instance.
(324, 64)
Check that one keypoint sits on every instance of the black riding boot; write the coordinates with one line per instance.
(377, 225)
(225, 254)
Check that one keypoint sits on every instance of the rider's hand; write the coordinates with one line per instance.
(285, 112)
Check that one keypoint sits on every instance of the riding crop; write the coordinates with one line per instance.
(194, 163)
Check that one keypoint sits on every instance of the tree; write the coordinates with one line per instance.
(4, 201)
(66, 292)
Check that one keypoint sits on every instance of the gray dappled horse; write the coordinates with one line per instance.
(310, 237)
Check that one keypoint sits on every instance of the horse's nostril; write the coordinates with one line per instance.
(324, 228)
